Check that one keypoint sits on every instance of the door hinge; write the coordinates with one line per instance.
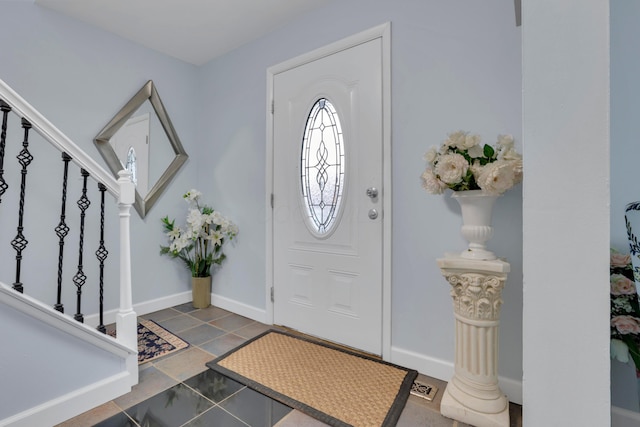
(272, 299)
(271, 200)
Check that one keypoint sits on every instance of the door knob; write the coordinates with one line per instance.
(372, 192)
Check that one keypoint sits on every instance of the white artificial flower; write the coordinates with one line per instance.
(174, 234)
(192, 195)
(233, 230)
(191, 233)
(476, 169)
(217, 218)
(431, 183)
(517, 169)
(461, 140)
(619, 350)
(469, 141)
(476, 151)
(451, 168)
(195, 218)
(505, 141)
(179, 244)
(509, 154)
(207, 219)
(454, 140)
(497, 177)
(215, 238)
(431, 155)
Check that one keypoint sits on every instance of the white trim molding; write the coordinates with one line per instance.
(146, 307)
(621, 417)
(58, 139)
(34, 308)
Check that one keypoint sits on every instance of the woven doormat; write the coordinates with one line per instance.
(333, 385)
(154, 341)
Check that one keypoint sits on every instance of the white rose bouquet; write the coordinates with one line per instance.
(200, 243)
(463, 163)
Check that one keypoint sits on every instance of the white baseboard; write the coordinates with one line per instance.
(142, 308)
(253, 313)
(146, 307)
(443, 370)
(624, 418)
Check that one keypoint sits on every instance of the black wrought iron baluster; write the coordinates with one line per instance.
(102, 254)
(19, 243)
(4, 107)
(80, 278)
(62, 230)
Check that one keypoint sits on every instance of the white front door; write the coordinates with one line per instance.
(328, 196)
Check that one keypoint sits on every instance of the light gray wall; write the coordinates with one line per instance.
(79, 77)
(625, 152)
(455, 65)
(625, 104)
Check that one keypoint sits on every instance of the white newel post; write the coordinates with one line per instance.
(126, 319)
(473, 395)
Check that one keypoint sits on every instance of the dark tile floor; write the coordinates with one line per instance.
(179, 390)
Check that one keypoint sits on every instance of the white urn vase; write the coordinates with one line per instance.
(476, 206)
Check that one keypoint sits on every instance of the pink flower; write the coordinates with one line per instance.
(620, 285)
(620, 260)
(626, 324)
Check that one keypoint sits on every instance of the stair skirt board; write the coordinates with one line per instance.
(67, 404)
(75, 403)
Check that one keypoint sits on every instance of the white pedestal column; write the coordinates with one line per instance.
(473, 395)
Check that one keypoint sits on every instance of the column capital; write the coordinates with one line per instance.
(476, 286)
(476, 296)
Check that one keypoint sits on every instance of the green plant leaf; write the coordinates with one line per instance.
(488, 151)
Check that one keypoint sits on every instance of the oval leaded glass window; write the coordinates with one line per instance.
(322, 166)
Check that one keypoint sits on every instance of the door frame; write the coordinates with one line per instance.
(383, 32)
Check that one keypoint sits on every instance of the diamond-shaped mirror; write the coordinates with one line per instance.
(141, 139)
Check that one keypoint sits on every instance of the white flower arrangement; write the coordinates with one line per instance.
(200, 243)
(463, 163)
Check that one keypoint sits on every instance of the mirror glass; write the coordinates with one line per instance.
(141, 139)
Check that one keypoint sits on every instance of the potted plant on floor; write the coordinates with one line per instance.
(199, 244)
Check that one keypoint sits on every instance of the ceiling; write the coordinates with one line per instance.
(194, 31)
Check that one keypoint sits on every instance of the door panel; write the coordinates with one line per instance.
(330, 285)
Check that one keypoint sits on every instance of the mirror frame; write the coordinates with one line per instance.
(147, 92)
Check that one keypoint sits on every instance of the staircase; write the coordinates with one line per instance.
(55, 261)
